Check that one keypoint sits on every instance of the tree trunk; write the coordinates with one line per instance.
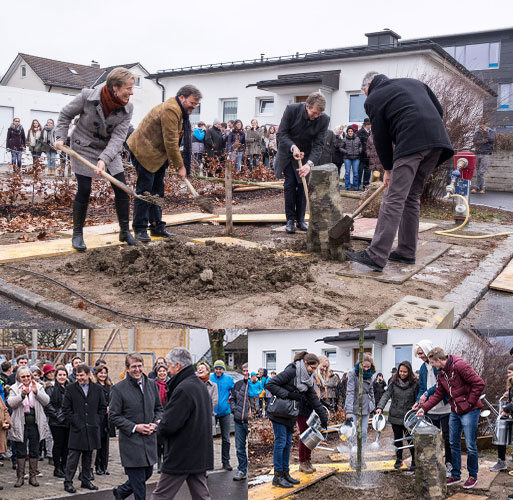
(228, 198)
(430, 480)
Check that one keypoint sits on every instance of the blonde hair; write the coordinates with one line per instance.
(368, 357)
(119, 77)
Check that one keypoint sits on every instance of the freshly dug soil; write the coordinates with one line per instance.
(175, 269)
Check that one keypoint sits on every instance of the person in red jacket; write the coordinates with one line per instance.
(458, 380)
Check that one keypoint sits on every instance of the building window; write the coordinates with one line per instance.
(266, 106)
(402, 353)
(477, 56)
(137, 82)
(294, 352)
(229, 110)
(505, 102)
(23, 70)
(73, 71)
(331, 354)
(270, 360)
(356, 109)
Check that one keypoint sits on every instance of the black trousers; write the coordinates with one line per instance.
(136, 484)
(442, 422)
(72, 463)
(60, 445)
(102, 455)
(153, 183)
(84, 188)
(30, 437)
(363, 170)
(400, 432)
(295, 200)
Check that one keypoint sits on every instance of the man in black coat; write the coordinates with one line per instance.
(239, 403)
(84, 407)
(300, 136)
(411, 140)
(135, 409)
(214, 140)
(186, 429)
(363, 169)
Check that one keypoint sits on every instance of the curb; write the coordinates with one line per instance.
(80, 319)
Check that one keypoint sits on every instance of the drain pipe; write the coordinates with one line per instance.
(162, 87)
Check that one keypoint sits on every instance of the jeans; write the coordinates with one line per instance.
(365, 425)
(241, 437)
(136, 483)
(16, 157)
(153, 183)
(52, 159)
(224, 423)
(282, 444)
(481, 168)
(351, 165)
(468, 424)
(236, 157)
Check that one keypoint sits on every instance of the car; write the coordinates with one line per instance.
(235, 375)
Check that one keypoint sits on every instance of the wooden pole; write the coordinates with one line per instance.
(360, 407)
(228, 197)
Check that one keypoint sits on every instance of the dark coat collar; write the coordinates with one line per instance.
(188, 371)
(376, 82)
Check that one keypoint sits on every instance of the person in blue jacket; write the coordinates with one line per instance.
(255, 387)
(223, 411)
(440, 414)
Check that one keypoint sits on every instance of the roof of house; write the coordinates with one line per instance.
(107, 70)
(238, 344)
(326, 55)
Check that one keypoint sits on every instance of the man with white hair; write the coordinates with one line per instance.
(186, 428)
(410, 140)
(441, 412)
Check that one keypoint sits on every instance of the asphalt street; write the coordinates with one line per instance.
(495, 199)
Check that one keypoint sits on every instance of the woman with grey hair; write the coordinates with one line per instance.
(27, 398)
(105, 115)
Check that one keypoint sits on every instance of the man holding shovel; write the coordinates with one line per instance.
(410, 140)
(301, 135)
(155, 145)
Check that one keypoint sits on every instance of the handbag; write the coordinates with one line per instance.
(284, 408)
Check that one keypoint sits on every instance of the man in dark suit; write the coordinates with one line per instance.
(186, 428)
(84, 407)
(411, 140)
(300, 136)
(135, 409)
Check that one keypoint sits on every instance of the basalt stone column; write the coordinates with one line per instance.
(325, 207)
(430, 480)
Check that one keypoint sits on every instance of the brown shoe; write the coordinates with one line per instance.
(33, 471)
(482, 191)
(306, 468)
(20, 472)
(474, 191)
(312, 468)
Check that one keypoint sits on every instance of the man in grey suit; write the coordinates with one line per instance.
(135, 409)
(301, 135)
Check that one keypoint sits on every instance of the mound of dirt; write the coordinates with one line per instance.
(372, 210)
(173, 270)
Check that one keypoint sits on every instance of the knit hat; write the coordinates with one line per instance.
(253, 374)
(34, 368)
(216, 122)
(159, 366)
(351, 127)
(355, 127)
(220, 364)
(48, 368)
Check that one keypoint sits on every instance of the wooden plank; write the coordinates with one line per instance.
(254, 218)
(504, 282)
(269, 492)
(364, 228)
(369, 454)
(169, 219)
(467, 496)
(396, 272)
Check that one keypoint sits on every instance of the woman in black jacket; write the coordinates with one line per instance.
(295, 383)
(102, 454)
(58, 423)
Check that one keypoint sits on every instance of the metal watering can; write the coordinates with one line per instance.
(378, 424)
(412, 424)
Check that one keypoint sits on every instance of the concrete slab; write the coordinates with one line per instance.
(269, 492)
(364, 228)
(254, 218)
(396, 272)
(170, 220)
(504, 282)
(416, 312)
(467, 496)
(485, 477)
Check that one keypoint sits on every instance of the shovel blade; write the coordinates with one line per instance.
(341, 228)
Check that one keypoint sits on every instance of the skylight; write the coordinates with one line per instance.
(73, 71)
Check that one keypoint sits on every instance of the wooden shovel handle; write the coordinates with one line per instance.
(367, 201)
(105, 175)
(305, 188)
(191, 188)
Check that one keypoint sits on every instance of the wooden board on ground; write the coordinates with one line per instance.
(52, 248)
(396, 272)
(369, 455)
(504, 282)
(254, 218)
(269, 492)
(467, 496)
(170, 220)
(364, 228)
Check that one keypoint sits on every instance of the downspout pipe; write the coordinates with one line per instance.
(162, 87)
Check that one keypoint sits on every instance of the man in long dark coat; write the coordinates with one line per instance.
(84, 407)
(411, 140)
(186, 428)
(300, 136)
(135, 409)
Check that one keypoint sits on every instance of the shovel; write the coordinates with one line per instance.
(202, 201)
(154, 200)
(305, 188)
(343, 226)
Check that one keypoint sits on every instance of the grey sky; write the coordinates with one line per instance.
(165, 34)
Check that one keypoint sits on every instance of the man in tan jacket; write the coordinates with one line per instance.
(154, 146)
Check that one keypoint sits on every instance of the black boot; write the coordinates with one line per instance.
(289, 478)
(123, 212)
(280, 481)
(79, 217)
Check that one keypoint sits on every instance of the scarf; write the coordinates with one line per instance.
(34, 136)
(162, 387)
(303, 379)
(187, 138)
(16, 128)
(367, 374)
(109, 101)
(28, 401)
(402, 384)
(47, 134)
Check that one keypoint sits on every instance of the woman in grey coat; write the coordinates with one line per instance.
(402, 391)
(102, 128)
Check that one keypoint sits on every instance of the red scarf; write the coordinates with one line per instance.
(162, 390)
(109, 101)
